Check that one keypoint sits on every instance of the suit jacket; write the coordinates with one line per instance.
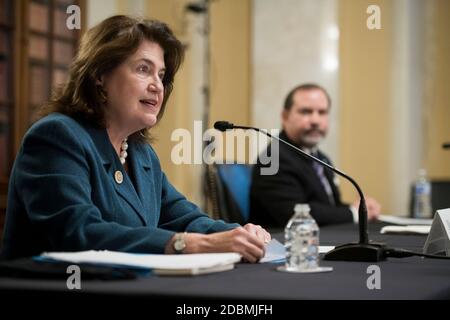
(273, 197)
(64, 196)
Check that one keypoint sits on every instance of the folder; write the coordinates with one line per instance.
(159, 264)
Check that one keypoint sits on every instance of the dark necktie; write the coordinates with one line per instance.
(319, 169)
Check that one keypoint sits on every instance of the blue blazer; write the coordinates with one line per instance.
(64, 196)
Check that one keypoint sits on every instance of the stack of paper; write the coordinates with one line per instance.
(414, 229)
(161, 264)
(404, 220)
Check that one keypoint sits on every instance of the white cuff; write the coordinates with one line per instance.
(355, 214)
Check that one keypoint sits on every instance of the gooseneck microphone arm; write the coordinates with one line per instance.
(362, 251)
(362, 212)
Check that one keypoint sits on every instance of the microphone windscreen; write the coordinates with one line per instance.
(223, 125)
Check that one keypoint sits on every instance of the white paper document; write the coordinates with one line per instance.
(325, 249)
(404, 221)
(275, 251)
(162, 264)
(416, 229)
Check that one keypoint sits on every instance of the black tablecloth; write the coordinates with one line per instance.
(407, 278)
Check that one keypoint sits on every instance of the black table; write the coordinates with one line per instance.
(407, 278)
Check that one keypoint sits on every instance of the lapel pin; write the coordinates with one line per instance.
(118, 176)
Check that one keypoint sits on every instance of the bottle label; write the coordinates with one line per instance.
(423, 188)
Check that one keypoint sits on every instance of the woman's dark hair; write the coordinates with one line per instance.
(103, 48)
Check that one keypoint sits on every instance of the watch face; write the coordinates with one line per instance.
(179, 243)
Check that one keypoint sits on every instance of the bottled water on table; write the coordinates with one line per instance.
(422, 196)
(302, 242)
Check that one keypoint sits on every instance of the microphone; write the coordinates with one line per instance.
(223, 125)
(363, 250)
(446, 145)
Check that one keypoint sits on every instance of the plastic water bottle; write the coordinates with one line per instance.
(301, 240)
(422, 196)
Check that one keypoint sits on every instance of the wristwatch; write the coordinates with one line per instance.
(179, 244)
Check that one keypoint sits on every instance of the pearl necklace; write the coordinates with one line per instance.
(123, 151)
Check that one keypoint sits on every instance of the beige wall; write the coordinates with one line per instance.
(230, 61)
(229, 79)
(365, 89)
(437, 95)
(369, 127)
(230, 72)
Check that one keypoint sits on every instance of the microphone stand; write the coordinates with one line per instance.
(361, 251)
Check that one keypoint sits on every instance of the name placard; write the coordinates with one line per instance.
(438, 241)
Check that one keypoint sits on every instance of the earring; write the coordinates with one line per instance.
(102, 94)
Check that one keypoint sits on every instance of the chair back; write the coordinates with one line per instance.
(230, 186)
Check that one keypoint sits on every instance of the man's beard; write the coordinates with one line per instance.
(311, 141)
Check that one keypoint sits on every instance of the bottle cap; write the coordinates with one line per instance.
(422, 172)
(302, 207)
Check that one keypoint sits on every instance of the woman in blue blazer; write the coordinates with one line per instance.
(86, 176)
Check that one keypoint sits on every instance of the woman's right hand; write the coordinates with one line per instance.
(239, 240)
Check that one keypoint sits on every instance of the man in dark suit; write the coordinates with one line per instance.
(305, 120)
